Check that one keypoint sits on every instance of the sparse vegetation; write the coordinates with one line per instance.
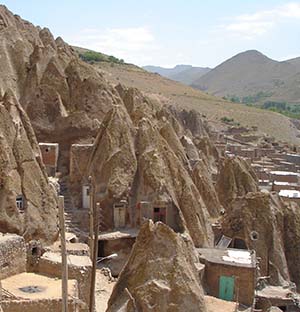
(289, 110)
(257, 100)
(249, 99)
(229, 121)
(92, 56)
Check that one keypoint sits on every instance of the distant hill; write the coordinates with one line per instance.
(253, 76)
(186, 74)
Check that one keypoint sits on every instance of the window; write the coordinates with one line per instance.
(159, 214)
(20, 203)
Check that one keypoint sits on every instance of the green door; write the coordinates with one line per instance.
(226, 288)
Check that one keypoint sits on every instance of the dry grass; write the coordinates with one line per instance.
(213, 107)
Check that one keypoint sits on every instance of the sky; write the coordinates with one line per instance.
(171, 32)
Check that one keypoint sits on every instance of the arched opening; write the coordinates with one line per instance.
(34, 251)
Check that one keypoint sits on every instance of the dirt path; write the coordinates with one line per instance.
(103, 291)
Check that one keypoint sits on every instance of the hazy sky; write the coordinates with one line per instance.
(170, 32)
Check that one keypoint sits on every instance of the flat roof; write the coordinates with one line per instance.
(126, 233)
(289, 193)
(285, 183)
(285, 173)
(275, 292)
(82, 145)
(48, 144)
(229, 256)
(81, 261)
(49, 288)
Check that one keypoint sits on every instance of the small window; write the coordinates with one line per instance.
(87, 191)
(159, 214)
(47, 149)
(34, 251)
(20, 203)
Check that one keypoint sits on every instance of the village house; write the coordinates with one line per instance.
(50, 157)
(229, 274)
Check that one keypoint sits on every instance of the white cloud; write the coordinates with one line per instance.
(249, 26)
(134, 44)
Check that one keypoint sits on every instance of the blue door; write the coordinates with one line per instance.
(226, 288)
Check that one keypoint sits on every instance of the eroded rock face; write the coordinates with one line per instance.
(64, 97)
(203, 181)
(114, 166)
(236, 178)
(22, 174)
(160, 275)
(258, 220)
(144, 160)
(292, 241)
(161, 171)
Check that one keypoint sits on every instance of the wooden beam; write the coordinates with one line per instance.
(91, 216)
(64, 262)
(1, 310)
(95, 257)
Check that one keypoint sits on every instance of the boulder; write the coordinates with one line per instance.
(160, 275)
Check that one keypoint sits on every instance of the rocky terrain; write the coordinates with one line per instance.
(147, 146)
(157, 164)
(22, 173)
(161, 277)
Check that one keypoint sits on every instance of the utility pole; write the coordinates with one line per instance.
(91, 214)
(1, 310)
(64, 262)
(96, 213)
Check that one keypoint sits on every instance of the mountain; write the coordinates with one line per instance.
(186, 74)
(252, 74)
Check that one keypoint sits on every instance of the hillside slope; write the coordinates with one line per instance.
(214, 108)
(251, 73)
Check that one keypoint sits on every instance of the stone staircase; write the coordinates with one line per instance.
(71, 219)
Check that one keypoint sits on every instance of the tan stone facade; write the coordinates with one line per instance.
(12, 255)
(50, 156)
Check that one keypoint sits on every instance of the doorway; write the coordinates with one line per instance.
(226, 288)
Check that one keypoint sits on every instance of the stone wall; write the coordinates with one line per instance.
(79, 268)
(45, 305)
(12, 255)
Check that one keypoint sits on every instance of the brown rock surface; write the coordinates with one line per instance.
(292, 241)
(203, 181)
(144, 159)
(236, 178)
(160, 275)
(113, 167)
(262, 215)
(22, 173)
